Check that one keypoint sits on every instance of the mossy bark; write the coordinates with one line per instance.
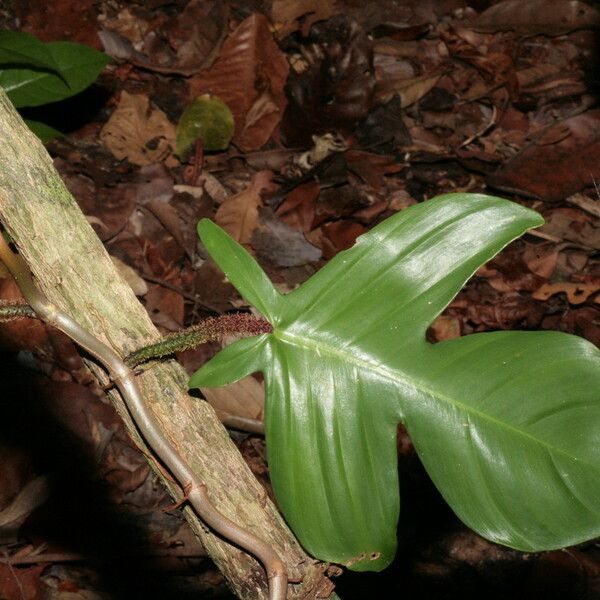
(73, 269)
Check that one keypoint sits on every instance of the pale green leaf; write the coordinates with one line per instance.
(207, 119)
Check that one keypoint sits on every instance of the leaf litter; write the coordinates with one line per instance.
(344, 113)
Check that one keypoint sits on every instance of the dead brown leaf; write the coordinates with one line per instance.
(212, 289)
(288, 11)
(531, 17)
(165, 307)
(555, 171)
(372, 168)
(573, 225)
(244, 398)
(249, 76)
(445, 328)
(335, 89)
(136, 283)
(197, 34)
(280, 244)
(541, 259)
(581, 321)
(577, 293)
(127, 25)
(298, 208)
(510, 273)
(238, 215)
(60, 20)
(107, 208)
(22, 583)
(138, 132)
(507, 313)
(337, 236)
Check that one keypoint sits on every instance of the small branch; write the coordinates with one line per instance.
(195, 490)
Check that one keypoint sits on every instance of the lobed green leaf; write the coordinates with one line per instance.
(505, 423)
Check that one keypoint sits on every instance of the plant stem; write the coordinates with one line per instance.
(194, 490)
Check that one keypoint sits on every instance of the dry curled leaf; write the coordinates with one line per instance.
(23, 583)
(238, 215)
(197, 34)
(248, 76)
(138, 132)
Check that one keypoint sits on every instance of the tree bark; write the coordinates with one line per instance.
(73, 269)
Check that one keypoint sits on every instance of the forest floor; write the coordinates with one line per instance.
(345, 113)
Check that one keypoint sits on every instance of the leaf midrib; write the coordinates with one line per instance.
(320, 347)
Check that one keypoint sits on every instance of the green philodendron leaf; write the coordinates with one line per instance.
(20, 48)
(77, 67)
(207, 118)
(507, 424)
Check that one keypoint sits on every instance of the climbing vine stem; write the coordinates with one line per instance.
(194, 489)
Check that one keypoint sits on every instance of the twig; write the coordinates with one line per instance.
(64, 557)
(242, 423)
(195, 490)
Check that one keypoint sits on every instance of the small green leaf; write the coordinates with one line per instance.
(20, 48)
(207, 118)
(45, 132)
(78, 67)
(505, 423)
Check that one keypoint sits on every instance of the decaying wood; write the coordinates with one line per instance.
(74, 271)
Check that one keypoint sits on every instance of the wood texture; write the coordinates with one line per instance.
(74, 270)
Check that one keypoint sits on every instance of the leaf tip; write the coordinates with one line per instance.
(206, 226)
